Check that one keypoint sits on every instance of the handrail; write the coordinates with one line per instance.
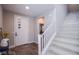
(45, 37)
(47, 28)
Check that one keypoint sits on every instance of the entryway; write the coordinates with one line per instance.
(21, 30)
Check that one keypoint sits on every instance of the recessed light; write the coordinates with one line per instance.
(27, 7)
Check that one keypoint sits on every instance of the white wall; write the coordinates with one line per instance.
(58, 14)
(1, 16)
(32, 30)
(35, 30)
(61, 12)
(49, 18)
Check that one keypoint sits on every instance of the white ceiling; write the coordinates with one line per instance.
(35, 9)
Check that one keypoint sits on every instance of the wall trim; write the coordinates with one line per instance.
(22, 44)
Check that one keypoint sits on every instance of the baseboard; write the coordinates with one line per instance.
(22, 44)
(50, 41)
(35, 42)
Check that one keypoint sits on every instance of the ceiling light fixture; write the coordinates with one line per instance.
(27, 7)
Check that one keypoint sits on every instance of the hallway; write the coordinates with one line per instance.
(20, 24)
(53, 30)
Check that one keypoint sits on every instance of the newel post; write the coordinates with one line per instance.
(39, 44)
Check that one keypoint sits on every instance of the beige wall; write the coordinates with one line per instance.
(8, 24)
(0, 16)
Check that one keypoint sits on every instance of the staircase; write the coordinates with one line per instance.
(66, 41)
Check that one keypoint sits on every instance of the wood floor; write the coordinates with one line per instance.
(26, 49)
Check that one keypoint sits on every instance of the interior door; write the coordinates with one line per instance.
(21, 30)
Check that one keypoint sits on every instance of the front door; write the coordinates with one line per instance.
(21, 30)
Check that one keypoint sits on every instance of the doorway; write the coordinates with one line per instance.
(21, 30)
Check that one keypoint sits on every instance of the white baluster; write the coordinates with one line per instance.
(39, 44)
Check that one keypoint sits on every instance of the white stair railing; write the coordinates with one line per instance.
(45, 37)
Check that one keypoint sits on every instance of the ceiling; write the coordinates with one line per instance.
(35, 9)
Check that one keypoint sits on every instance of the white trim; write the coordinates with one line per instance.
(21, 44)
(14, 29)
(50, 41)
(39, 44)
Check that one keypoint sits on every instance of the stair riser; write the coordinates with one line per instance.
(60, 51)
(67, 46)
(69, 36)
(68, 31)
(71, 41)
